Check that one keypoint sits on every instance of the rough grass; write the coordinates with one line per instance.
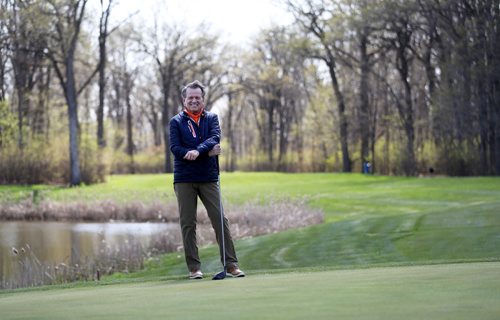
(463, 291)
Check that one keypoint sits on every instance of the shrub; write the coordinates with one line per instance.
(148, 161)
(31, 165)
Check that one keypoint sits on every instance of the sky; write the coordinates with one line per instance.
(235, 20)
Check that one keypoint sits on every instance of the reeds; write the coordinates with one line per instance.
(98, 211)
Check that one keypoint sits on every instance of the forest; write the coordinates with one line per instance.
(410, 86)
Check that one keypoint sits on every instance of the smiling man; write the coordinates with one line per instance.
(195, 143)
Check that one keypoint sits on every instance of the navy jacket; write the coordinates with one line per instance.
(186, 135)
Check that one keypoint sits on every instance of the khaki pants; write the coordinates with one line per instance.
(187, 198)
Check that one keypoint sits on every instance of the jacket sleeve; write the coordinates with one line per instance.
(175, 140)
(213, 137)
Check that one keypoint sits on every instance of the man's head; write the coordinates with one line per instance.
(193, 96)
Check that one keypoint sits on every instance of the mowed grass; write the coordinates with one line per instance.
(452, 291)
(339, 268)
(370, 220)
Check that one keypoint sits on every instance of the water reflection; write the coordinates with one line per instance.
(52, 243)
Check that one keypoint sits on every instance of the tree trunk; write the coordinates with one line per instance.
(103, 35)
(72, 101)
(346, 161)
(22, 104)
(101, 142)
(495, 94)
(130, 140)
(41, 118)
(406, 108)
(3, 67)
(70, 34)
(155, 125)
(364, 121)
(269, 135)
(285, 115)
(230, 157)
(165, 121)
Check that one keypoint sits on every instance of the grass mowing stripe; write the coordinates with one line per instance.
(406, 239)
(454, 291)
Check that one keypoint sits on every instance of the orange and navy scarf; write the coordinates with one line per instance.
(195, 116)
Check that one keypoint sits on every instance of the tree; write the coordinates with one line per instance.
(103, 35)
(4, 46)
(27, 44)
(401, 29)
(128, 84)
(177, 56)
(124, 73)
(275, 83)
(67, 18)
(363, 21)
(317, 18)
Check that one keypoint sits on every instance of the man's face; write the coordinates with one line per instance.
(194, 100)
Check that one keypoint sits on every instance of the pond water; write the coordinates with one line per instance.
(52, 243)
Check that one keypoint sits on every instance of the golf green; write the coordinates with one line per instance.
(447, 291)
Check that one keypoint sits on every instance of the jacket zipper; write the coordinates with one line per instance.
(194, 129)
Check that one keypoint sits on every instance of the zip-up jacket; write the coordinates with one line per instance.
(186, 135)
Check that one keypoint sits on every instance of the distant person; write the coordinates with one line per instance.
(367, 167)
(431, 171)
(194, 141)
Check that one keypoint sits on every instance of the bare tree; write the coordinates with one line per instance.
(316, 17)
(103, 35)
(4, 47)
(128, 84)
(67, 18)
(27, 44)
(176, 57)
(403, 29)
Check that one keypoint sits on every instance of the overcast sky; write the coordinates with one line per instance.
(235, 20)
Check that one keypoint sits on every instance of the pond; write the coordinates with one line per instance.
(27, 246)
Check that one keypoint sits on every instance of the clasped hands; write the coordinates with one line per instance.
(193, 154)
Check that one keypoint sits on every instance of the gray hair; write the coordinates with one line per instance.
(193, 85)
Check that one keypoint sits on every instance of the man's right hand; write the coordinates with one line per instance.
(216, 150)
(192, 155)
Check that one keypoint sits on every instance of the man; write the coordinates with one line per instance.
(194, 141)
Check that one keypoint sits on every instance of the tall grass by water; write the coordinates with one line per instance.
(246, 221)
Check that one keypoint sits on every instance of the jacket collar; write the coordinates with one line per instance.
(184, 114)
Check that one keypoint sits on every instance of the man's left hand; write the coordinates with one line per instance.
(217, 150)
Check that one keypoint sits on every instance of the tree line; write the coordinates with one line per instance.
(412, 87)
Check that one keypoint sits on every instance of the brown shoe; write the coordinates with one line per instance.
(196, 274)
(235, 272)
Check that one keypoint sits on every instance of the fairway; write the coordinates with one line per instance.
(449, 291)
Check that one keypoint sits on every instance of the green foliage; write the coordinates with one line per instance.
(33, 164)
(458, 160)
(7, 125)
(148, 161)
(93, 168)
(46, 162)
